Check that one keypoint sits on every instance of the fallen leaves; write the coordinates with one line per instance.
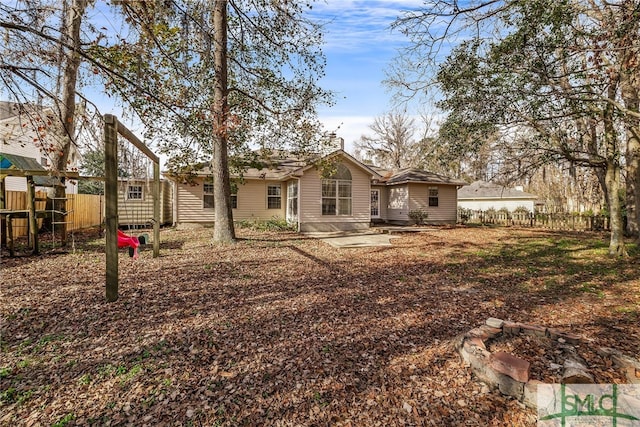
(280, 329)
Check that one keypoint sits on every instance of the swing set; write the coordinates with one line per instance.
(116, 238)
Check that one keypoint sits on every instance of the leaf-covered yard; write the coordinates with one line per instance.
(281, 329)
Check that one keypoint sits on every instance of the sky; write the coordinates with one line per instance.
(359, 48)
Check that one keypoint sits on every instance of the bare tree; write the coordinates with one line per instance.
(393, 144)
(48, 61)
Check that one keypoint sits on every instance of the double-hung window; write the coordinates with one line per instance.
(336, 192)
(234, 200)
(433, 196)
(207, 194)
(274, 196)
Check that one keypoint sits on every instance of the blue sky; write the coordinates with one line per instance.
(359, 47)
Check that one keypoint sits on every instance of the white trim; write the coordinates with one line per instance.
(128, 192)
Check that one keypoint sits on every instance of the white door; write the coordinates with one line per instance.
(375, 203)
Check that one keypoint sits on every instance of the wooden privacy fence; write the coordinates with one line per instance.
(85, 210)
(555, 221)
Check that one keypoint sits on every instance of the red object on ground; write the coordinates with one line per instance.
(124, 240)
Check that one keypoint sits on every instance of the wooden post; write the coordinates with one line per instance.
(3, 221)
(156, 209)
(10, 241)
(33, 221)
(111, 204)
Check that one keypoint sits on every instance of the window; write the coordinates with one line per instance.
(336, 193)
(207, 194)
(44, 161)
(273, 197)
(208, 197)
(292, 200)
(433, 196)
(134, 192)
(375, 203)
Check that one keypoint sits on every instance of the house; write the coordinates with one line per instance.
(413, 189)
(135, 203)
(335, 192)
(483, 196)
(23, 132)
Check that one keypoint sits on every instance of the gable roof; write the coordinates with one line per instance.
(414, 175)
(10, 109)
(489, 190)
(277, 165)
(344, 154)
(280, 165)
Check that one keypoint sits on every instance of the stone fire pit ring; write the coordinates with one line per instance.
(510, 374)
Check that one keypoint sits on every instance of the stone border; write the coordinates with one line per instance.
(510, 374)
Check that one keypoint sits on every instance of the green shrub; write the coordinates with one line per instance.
(464, 215)
(418, 216)
(272, 224)
(521, 210)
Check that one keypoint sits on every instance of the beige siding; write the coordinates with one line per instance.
(407, 197)
(140, 212)
(189, 205)
(15, 183)
(397, 203)
(445, 212)
(252, 203)
(310, 191)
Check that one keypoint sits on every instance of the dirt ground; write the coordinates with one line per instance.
(282, 329)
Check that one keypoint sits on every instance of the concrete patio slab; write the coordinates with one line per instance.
(354, 239)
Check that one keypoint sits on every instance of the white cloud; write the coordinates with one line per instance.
(354, 24)
(350, 128)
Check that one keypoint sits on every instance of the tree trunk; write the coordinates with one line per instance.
(223, 230)
(616, 242)
(633, 181)
(67, 108)
(612, 178)
(629, 92)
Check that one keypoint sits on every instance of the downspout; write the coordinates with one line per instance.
(174, 208)
(298, 207)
